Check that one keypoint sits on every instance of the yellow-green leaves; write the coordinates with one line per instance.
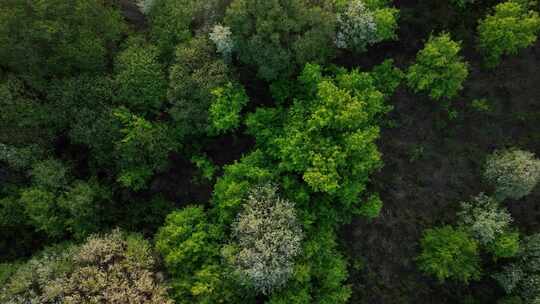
(228, 101)
(439, 70)
(510, 28)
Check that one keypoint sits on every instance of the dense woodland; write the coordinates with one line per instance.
(269, 151)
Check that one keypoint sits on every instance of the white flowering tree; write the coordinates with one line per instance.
(361, 25)
(514, 173)
(268, 238)
(221, 36)
(484, 218)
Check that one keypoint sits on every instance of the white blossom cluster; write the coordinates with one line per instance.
(146, 5)
(484, 218)
(268, 237)
(221, 36)
(356, 27)
(513, 173)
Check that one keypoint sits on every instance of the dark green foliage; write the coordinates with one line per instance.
(449, 253)
(439, 70)
(59, 206)
(169, 22)
(143, 150)
(506, 245)
(78, 101)
(140, 79)
(197, 71)
(522, 277)
(24, 121)
(319, 274)
(387, 77)
(278, 37)
(43, 39)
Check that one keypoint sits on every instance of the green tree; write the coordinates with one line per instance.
(140, 79)
(510, 28)
(278, 37)
(170, 22)
(143, 150)
(439, 70)
(195, 74)
(328, 135)
(59, 206)
(514, 173)
(226, 106)
(238, 179)
(449, 253)
(173, 22)
(24, 120)
(505, 245)
(319, 274)
(42, 39)
(82, 109)
(190, 247)
(484, 219)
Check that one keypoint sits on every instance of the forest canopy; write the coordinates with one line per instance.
(269, 151)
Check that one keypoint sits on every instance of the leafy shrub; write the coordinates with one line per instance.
(438, 70)
(481, 105)
(268, 238)
(82, 110)
(510, 28)
(372, 207)
(387, 77)
(449, 253)
(505, 245)
(485, 220)
(30, 281)
(226, 105)
(514, 173)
